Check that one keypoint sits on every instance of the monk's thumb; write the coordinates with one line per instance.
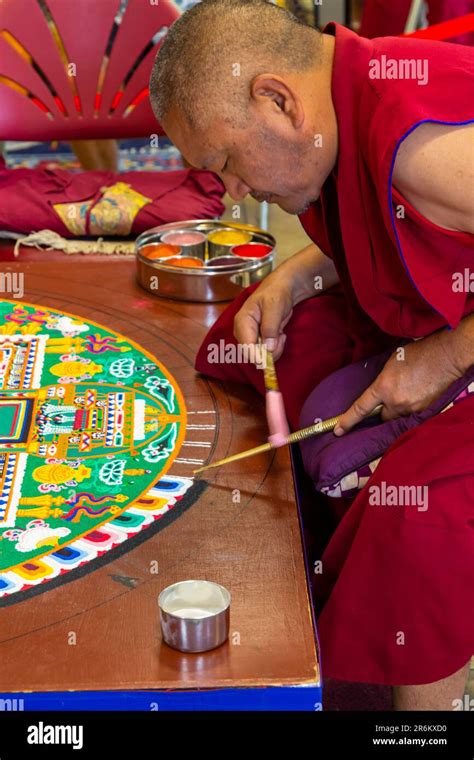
(271, 326)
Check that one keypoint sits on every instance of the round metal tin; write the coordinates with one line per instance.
(204, 284)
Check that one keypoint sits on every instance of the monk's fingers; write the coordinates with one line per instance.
(265, 317)
(247, 323)
(274, 315)
(281, 340)
(286, 320)
(262, 351)
(392, 412)
(360, 409)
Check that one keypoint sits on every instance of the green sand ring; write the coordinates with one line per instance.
(78, 445)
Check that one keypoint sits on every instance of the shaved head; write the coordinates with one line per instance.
(214, 50)
(243, 88)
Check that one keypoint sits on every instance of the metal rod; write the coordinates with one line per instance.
(325, 426)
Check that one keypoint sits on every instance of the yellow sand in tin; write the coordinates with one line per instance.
(229, 237)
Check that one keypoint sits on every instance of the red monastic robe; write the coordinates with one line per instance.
(381, 18)
(396, 592)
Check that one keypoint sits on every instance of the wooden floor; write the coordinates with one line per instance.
(252, 546)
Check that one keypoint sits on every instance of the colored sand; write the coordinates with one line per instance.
(229, 237)
(184, 238)
(252, 250)
(159, 251)
(223, 261)
(185, 261)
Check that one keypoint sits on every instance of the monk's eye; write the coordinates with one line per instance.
(225, 166)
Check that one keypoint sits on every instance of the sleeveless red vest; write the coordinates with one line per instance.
(395, 272)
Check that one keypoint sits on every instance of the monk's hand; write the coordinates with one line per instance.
(413, 377)
(266, 313)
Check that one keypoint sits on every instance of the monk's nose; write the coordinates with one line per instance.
(236, 188)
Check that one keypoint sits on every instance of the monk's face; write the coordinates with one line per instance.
(282, 154)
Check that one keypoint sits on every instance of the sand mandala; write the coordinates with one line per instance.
(90, 425)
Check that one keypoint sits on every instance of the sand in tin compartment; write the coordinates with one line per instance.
(159, 250)
(184, 261)
(252, 250)
(223, 261)
(229, 237)
(189, 237)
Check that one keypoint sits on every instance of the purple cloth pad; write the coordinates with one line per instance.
(327, 458)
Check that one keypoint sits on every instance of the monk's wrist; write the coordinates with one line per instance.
(291, 274)
(459, 344)
(311, 273)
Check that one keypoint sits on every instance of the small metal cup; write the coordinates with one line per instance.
(194, 615)
(225, 261)
(197, 249)
(222, 249)
(174, 261)
(236, 250)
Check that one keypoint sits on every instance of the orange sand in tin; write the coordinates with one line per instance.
(229, 237)
(185, 261)
(159, 250)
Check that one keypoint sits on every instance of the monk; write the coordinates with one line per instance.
(370, 143)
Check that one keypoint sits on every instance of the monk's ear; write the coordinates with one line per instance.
(270, 89)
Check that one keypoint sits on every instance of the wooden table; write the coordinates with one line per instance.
(252, 547)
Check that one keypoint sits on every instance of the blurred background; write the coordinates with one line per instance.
(369, 18)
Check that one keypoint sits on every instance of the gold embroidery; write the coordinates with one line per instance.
(113, 214)
(73, 215)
